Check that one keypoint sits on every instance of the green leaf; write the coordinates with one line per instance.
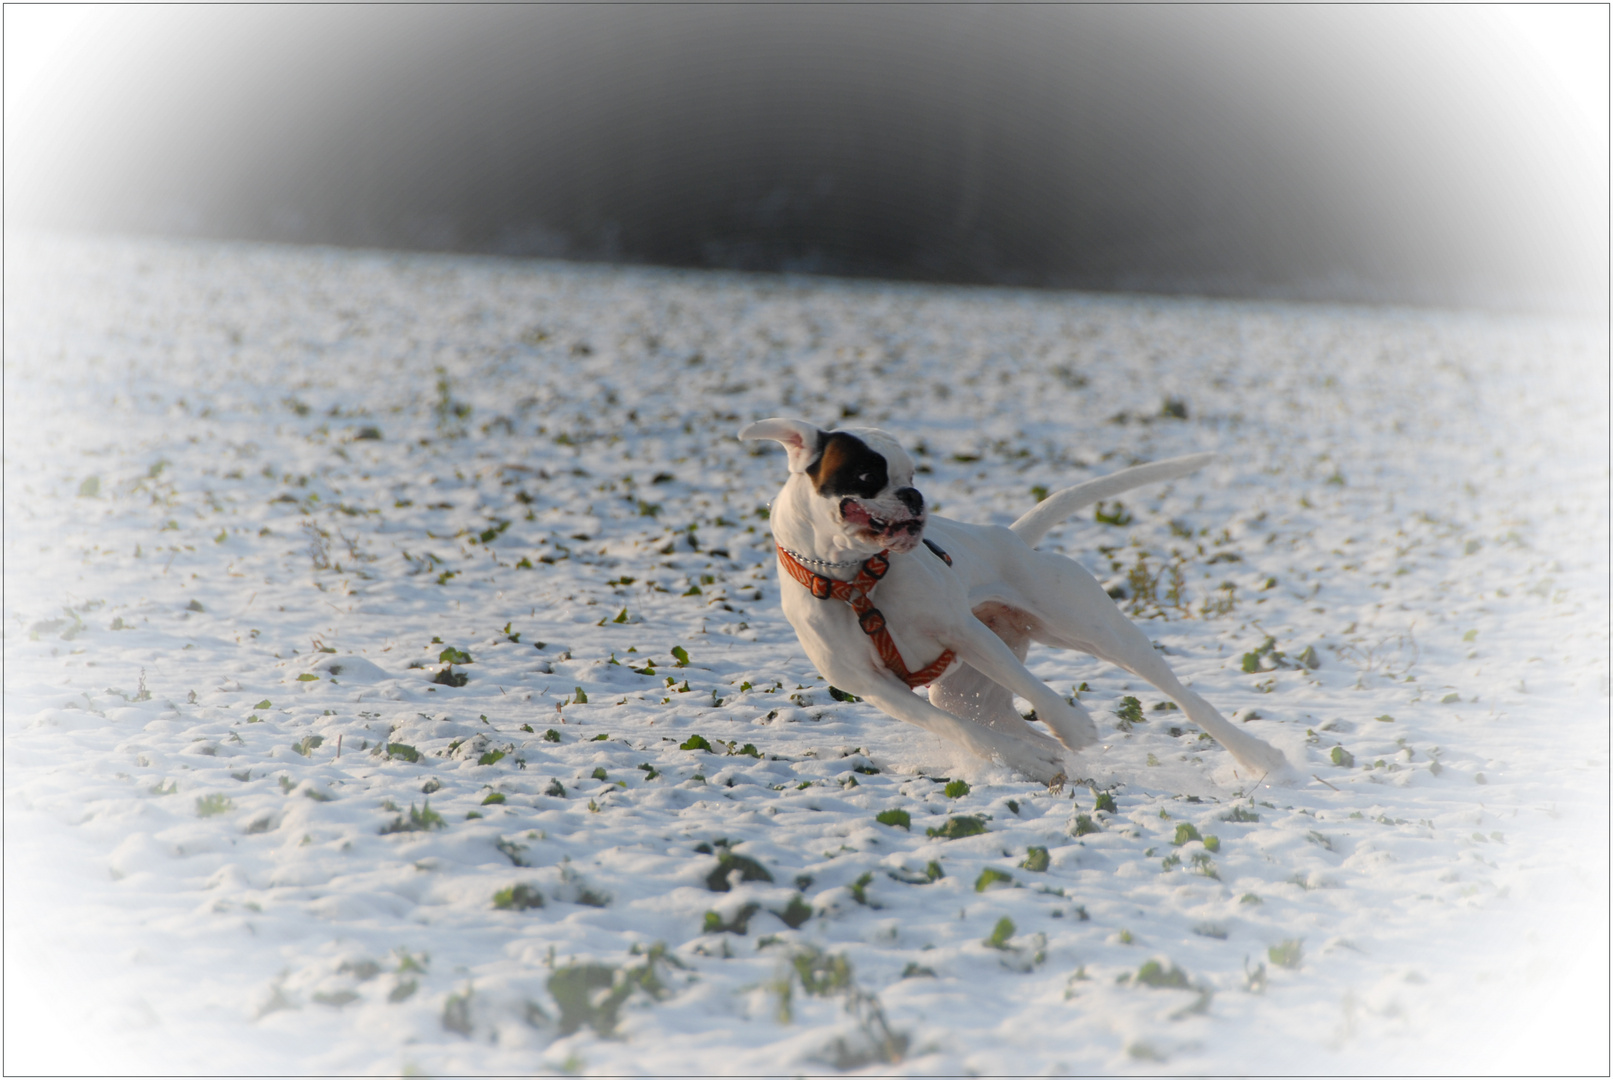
(680, 655)
(308, 744)
(451, 655)
(1103, 800)
(1185, 833)
(621, 616)
(600, 774)
(551, 735)
(517, 898)
(210, 805)
(493, 798)
(956, 789)
(264, 704)
(601, 737)
(991, 876)
(402, 750)
(840, 695)
(588, 994)
(1037, 860)
(307, 676)
(1084, 825)
(1287, 954)
(421, 820)
(490, 758)
(1341, 757)
(727, 863)
(580, 698)
(90, 488)
(1152, 973)
(1116, 516)
(1130, 712)
(695, 742)
(796, 912)
(894, 818)
(1001, 933)
(959, 827)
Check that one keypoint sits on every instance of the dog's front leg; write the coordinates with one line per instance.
(987, 653)
(1033, 754)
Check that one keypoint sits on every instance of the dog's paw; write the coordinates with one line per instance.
(1074, 730)
(1033, 755)
(1258, 759)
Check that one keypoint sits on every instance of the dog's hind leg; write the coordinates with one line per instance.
(1257, 758)
(1073, 612)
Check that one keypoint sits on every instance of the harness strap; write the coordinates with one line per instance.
(855, 592)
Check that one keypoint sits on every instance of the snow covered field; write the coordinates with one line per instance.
(266, 507)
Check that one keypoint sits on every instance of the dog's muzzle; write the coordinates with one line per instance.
(896, 533)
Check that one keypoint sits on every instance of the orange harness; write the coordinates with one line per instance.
(855, 593)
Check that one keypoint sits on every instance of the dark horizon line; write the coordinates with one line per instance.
(1311, 291)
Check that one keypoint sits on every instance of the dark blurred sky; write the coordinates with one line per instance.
(1447, 155)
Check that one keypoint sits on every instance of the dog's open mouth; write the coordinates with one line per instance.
(897, 533)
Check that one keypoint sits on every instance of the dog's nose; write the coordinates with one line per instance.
(911, 499)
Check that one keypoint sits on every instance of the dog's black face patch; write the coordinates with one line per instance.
(848, 467)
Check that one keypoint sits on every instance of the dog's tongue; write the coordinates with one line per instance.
(853, 512)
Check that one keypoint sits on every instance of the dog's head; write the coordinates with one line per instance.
(858, 482)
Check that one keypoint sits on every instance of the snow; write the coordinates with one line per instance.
(254, 493)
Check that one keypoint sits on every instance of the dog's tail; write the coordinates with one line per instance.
(1061, 504)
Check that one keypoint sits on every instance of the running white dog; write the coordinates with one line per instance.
(964, 600)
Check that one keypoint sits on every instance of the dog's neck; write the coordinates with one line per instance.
(800, 526)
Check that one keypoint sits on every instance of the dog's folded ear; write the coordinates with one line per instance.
(801, 440)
